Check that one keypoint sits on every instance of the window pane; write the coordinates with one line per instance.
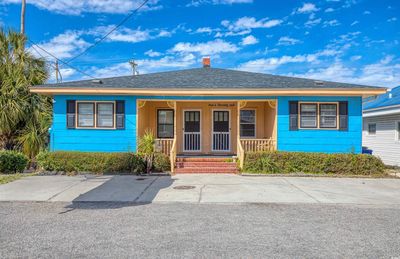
(105, 116)
(308, 115)
(327, 122)
(165, 131)
(308, 121)
(328, 115)
(308, 109)
(247, 130)
(85, 114)
(247, 116)
(372, 129)
(328, 109)
(165, 117)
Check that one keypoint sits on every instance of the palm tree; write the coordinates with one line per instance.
(24, 116)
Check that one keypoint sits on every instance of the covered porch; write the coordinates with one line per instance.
(209, 128)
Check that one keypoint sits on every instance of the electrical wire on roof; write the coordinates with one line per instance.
(108, 33)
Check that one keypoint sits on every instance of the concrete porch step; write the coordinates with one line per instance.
(205, 164)
(204, 159)
(206, 170)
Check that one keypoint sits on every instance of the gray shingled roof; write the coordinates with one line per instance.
(203, 78)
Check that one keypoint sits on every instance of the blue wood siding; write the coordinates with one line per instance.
(94, 140)
(320, 140)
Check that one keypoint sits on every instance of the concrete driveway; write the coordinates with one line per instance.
(203, 188)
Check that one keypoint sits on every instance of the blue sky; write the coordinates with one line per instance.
(355, 41)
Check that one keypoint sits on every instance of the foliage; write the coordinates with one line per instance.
(312, 163)
(94, 162)
(146, 149)
(161, 162)
(24, 116)
(12, 162)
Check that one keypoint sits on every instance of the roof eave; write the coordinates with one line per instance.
(211, 91)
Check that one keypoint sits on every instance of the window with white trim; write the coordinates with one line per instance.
(165, 123)
(94, 114)
(105, 115)
(308, 115)
(85, 114)
(371, 129)
(398, 130)
(248, 123)
(318, 115)
(327, 115)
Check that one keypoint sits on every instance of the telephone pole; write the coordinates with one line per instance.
(23, 16)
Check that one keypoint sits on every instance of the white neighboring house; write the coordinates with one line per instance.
(381, 126)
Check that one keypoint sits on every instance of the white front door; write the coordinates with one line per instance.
(191, 131)
(221, 135)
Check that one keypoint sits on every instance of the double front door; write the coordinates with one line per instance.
(220, 131)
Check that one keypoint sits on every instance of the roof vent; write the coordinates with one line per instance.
(206, 62)
(97, 81)
(318, 83)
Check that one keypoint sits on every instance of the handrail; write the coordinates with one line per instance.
(172, 156)
(240, 153)
(258, 145)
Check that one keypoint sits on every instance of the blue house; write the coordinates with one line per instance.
(207, 111)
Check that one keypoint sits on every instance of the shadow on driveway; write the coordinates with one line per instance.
(119, 191)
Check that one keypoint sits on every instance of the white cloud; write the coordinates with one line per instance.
(70, 7)
(331, 23)
(355, 58)
(64, 45)
(307, 8)
(329, 10)
(246, 23)
(204, 30)
(146, 66)
(205, 48)
(366, 12)
(249, 40)
(124, 34)
(217, 2)
(311, 23)
(393, 19)
(152, 53)
(287, 41)
(270, 64)
(385, 73)
(354, 23)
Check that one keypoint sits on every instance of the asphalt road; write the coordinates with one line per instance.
(176, 230)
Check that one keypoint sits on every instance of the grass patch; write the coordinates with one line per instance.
(7, 178)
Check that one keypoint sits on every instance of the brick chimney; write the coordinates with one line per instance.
(206, 62)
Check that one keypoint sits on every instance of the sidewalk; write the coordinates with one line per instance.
(203, 188)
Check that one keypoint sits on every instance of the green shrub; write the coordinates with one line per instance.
(312, 163)
(161, 162)
(12, 162)
(95, 162)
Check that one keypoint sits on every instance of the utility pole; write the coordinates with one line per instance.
(23, 16)
(134, 67)
(56, 70)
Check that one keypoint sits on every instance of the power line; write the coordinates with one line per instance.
(59, 60)
(108, 33)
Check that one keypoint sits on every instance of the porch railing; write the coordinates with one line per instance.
(164, 145)
(257, 145)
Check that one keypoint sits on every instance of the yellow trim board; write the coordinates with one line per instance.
(210, 92)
